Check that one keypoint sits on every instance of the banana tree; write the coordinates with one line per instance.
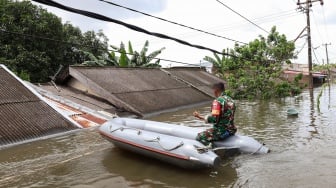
(132, 58)
(91, 60)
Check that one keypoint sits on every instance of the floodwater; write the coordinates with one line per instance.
(303, 153)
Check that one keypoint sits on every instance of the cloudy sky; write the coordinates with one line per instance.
(211, 16)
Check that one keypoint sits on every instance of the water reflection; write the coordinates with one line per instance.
(142, 171)
(313, 129)
(302, 153)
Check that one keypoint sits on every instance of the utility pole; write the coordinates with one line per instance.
(327, 55)
(306, 8)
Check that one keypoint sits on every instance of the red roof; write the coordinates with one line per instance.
(315, 74)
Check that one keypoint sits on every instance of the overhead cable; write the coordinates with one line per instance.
(242, 16)
(138, 29)
(88, 46)
(172, 22)
(316, 56)
(130, 26)
(112, 50)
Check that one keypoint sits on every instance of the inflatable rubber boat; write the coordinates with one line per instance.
(175, 144)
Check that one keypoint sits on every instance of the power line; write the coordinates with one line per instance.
(141, 30)
(241, 16)
(110, 50)
(172, 22)
(77, 44)
(325, 24)
(280, 16)
(129, 26)
(136, 28)
(265, 19)
(317, 28)
(315, 56)
(303, 46)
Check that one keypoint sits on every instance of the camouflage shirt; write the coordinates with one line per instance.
(226, 120)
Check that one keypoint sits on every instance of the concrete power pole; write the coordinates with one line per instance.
(327, 55)
(306, 8)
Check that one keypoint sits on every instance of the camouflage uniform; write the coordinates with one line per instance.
(223, 126)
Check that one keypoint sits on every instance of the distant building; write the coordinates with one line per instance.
(293, 70)
(207, 66)
(296, 67)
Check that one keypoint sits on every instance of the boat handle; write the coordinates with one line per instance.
(124, 128)
(157, 139)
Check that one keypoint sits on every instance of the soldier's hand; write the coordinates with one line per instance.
(196, 114)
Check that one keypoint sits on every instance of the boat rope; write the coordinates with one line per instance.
(205, 149)
(202, 149)
(124, 128)
(157, 139)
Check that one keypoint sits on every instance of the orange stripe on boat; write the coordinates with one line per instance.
(145, 147)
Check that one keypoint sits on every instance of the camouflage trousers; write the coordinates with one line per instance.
(214, 134)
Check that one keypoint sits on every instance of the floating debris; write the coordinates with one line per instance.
(292, 112)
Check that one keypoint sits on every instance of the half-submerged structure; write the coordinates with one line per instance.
(25, 115)
(140, 91)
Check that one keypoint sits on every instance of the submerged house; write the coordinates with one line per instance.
(136, 91)
(88, 96)
(318, 78)
(25, 115)
(294, 69)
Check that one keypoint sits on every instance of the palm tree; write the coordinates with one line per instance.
(217, 63)
(223, 64)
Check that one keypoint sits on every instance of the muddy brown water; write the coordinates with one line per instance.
(303, 153)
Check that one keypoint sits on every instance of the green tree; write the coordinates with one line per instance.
(36, 58)
(254, 70)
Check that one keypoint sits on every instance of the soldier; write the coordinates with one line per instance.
(222, 118)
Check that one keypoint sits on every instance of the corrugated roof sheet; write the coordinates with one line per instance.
(128, 80)
(80, 98)
(156, 101)
(147, 90)
(25, 116)
(12, 91)
(197, 77)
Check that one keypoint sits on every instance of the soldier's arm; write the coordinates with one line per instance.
(209, 119)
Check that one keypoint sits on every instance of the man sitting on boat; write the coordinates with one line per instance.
(222, 118)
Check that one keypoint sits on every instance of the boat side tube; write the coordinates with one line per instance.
(163, 128)
(175, 150)
(244, 144)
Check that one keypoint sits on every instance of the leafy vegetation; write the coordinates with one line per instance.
(320, 95)
(34, 43)
(130, 58)
(36, 59)
(254, 70)
(324, 68)
(133, 58)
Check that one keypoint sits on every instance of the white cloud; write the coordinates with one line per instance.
(210, 16)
